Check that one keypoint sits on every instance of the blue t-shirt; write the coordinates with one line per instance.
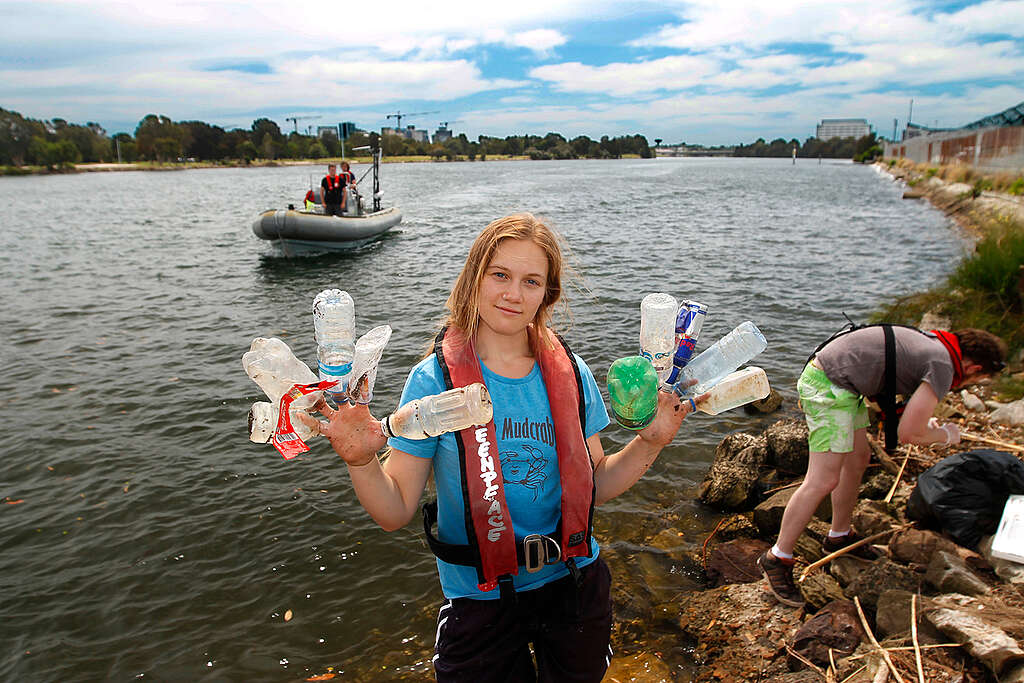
(529, 466)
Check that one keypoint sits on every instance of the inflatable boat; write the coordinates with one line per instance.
(300, 230)
(294, 230)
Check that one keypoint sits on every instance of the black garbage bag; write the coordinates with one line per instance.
(964, 494)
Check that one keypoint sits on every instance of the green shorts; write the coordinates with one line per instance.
(833, 414)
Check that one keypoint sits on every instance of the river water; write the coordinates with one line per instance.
(144, 536)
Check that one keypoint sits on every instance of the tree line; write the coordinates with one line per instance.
(58, 143)
(858, 149)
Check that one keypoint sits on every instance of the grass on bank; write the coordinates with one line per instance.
(986, 291)
(1009, 183)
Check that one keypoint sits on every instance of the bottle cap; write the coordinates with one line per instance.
(633, 388)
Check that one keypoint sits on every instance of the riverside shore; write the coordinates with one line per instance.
(734, 630)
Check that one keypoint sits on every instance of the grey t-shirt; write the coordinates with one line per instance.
(856, 362)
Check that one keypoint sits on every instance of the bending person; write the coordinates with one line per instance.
(517, 561)
(832, 388)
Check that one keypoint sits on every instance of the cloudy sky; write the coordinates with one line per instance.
(700, 71)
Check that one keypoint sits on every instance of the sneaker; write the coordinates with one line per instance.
(780, 579)
(864, 552)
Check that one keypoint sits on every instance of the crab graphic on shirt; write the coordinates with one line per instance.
(525, 468)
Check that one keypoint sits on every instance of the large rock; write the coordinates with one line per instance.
(876, 487)
(787, 446)
(735, 561)
(871, 517)
(984, 641)
(878, 577)
(846, 568)
(731, 479)
(918, 546)
(768, 513)
(819, 589)
(1009, 413)
(836, 627)
(892, 617)
(768, 404)
(950, 574)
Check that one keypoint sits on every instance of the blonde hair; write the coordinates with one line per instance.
(462, 304)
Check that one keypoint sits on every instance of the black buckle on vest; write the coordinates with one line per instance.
(540, 550)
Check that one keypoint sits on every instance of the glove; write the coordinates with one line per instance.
(951, 429)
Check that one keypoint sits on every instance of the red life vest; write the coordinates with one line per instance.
(952, 345)
(333, 182)
(488, 525)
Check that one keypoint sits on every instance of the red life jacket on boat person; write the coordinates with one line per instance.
(493, 548)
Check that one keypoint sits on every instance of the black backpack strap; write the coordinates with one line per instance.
(888, 398)
(849, 327)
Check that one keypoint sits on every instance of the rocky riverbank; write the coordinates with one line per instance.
(708, 597)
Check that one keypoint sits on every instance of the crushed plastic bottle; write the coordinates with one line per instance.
(449, 411)
(736, 389)
(658, 331)
(633, 389)
(263, 423)
(368, 351)
(334, 325)
(720, 359)
(271, 364)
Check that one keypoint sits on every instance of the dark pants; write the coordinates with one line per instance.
(332, 209)
(481, 640)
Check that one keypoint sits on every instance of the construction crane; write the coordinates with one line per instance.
(444, 124)
(398, 116)
(295, 120)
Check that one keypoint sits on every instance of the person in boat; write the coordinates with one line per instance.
(517, 560)
(878, 361)
(332, 192)
(310, 201)
(349, 180)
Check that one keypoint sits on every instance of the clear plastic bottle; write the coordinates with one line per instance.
(721, 358)
(271, 364)
(334, 325)
(446, 412)
(736, 389)
(633, 390)
(658, 331)
(263, 422)
(368, 351)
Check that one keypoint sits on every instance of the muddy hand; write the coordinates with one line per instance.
(354, 433)
(671, 412)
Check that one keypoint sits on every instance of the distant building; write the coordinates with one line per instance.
(322, 131)
(414, 133)
(842, 128)
(409, 133)
(442, 134)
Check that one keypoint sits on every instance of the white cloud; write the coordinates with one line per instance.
(620, 79)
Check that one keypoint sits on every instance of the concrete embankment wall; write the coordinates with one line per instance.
(992, 150)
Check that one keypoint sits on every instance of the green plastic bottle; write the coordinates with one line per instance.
(633, 388)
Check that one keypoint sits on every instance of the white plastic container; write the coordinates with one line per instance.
(446, 412)
(737, 389)
(658, 331)
(271, 364)
(720, 359)
(1008, 543)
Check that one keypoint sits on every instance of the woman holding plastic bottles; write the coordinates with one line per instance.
(516, 557)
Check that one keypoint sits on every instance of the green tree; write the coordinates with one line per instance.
(153, 128)
(246, 151)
